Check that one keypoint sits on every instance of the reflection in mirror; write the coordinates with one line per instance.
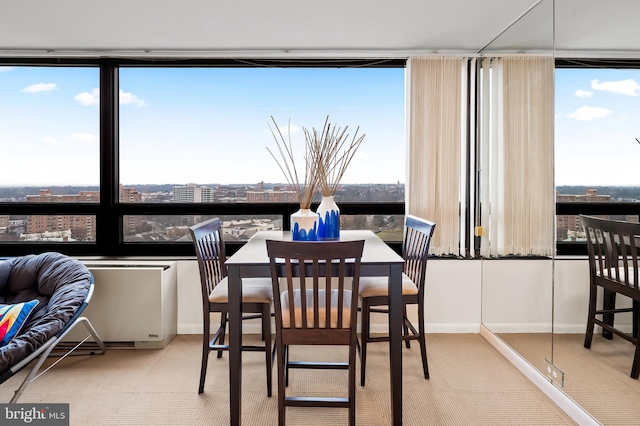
(611, 171)
(581, 32)
(517, 292)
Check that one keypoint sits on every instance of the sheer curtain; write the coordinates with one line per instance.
(436, 105)
(516, 145)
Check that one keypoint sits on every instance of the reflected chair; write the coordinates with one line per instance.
(256, 297)
(314, 305)
(375, 298)
(613, 248)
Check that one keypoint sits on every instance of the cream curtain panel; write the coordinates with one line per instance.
(516, 144)
(436, 101)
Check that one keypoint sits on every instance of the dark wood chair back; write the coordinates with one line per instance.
(613, 252)
(415, 248)
(209, 246)
(315, 273)
(614, 248)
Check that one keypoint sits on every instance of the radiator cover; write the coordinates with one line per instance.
(133, 304)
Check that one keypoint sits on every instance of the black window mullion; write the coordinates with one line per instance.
(109, 224)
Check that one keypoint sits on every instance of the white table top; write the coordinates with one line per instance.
(254, 252)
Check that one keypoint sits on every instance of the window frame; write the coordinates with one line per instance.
(578, 208)
(109, 212)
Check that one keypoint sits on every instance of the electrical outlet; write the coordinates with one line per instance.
(554, 373)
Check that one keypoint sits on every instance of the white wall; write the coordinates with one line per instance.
(507, 295)
(452, 303)
(516, 295)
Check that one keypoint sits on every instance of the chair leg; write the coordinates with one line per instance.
(404, 325)
(280, 349)
(609, 302)
(205, 350)
(423, 340)
(635, 368)
(636, 320)
(286, 365)
(364, 333)
(223, 327)
(588, 337)
(266, 333)
(352, 381)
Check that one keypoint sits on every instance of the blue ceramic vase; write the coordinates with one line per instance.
(328, 219)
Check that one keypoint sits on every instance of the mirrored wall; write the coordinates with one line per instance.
(538, 307)
(517, 293)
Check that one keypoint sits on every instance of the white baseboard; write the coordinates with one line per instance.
(520, 327)
(569, 406)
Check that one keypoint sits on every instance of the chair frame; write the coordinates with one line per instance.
(415, 250)
(210, 253)
(53, 348)
(614, 267)
(344, 257)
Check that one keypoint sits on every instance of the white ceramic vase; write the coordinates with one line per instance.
(329, 219)
(304, 225)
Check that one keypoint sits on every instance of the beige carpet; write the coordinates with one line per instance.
(597, 378)
(471, 384)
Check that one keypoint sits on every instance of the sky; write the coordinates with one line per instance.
(208, 126)
(196, 125)
(597, 116)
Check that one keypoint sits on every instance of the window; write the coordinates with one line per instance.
(183, 140)
(50, 149)
(200, 135)
(50, 131)
(597, 151)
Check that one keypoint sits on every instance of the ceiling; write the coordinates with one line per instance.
(396, 28)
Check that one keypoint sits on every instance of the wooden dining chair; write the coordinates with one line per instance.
(374, 293)
(614, 248)
(256, 297)
(314, 305)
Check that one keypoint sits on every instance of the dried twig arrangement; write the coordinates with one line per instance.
(306, 190)
(329, 154)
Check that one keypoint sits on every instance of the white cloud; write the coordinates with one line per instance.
(285, 129)
(49, 140)
(40, 87)
(6, 69)
(583, 93)
(93, 98)
(624, 87)
(587, 113)
(84, 138)
(88, 98)
(127, 98)
(290, 128)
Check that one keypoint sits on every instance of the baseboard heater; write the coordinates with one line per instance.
(134, 304)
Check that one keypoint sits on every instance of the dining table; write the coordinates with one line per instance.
(251, 260)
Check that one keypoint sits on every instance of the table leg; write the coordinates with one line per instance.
(395, 341)
(235, 345)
